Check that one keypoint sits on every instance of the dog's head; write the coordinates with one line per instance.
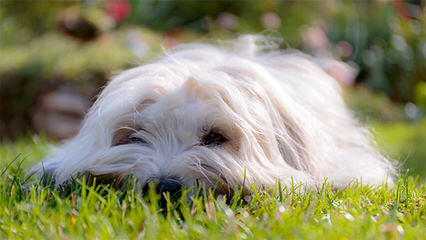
(199, 114)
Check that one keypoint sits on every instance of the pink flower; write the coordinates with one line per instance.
(315, 38)
(227, 20)
(341, 71)
(118, 9)
(271, 20)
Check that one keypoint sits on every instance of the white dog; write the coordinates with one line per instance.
(216, 115)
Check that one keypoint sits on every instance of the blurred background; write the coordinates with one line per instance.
(56, 55)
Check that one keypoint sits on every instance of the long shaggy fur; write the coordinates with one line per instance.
(283, 118)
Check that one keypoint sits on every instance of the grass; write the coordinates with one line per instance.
(405, 143)
(87, 212)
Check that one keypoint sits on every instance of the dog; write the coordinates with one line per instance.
(241, 115)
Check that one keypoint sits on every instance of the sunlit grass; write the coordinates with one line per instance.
(32, 211)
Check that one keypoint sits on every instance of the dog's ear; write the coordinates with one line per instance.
(290, 140)
(289, 120)
(121, 136)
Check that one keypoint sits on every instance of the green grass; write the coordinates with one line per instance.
(88, 212)
(405, 143)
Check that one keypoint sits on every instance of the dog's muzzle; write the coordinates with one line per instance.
(164, 186)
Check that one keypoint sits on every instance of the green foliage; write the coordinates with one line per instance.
(27, 70)
(387, 46)
(56, 55)
(421, 96)
(21, 21)
(371, 106)
(171, 15)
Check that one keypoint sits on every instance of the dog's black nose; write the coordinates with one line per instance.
(170, 186)
(165, 185)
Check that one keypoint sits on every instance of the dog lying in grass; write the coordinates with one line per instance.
(223, 117)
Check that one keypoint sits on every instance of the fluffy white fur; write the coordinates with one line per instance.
(283, 116)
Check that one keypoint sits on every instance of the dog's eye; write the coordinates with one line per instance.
(213, 138)
(135, 139)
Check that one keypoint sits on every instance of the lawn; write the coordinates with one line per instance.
(358, 212)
